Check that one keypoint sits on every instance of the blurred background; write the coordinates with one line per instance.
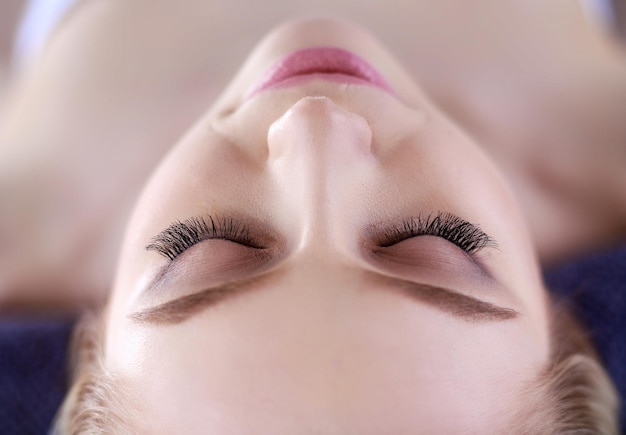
(10, 13)
(609, 14)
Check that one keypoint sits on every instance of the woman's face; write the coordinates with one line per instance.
(346, 262)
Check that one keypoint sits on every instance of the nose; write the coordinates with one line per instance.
(317, 124)
(319, 154)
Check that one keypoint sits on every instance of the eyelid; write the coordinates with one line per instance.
(431, 258)
(221, 262)
(182, 235)
(467, 236)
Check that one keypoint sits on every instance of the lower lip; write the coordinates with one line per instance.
(329, 64)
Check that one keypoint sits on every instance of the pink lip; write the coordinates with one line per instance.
(330, 64)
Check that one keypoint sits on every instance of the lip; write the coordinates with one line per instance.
(322, 63)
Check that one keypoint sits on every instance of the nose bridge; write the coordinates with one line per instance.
(315, 148)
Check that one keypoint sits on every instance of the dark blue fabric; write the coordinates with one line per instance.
(32, 353)
(32, 374)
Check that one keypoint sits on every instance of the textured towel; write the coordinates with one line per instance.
(32, 374)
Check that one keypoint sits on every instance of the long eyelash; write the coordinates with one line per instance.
(465, 235)
(182, 235)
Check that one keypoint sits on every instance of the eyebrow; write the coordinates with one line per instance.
(459, 305)
(449, 301)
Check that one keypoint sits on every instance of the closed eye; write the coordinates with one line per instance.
(182, 235)
(467, 236)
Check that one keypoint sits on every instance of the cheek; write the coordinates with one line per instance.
(203, 177)
(441, 169)
(196, 179)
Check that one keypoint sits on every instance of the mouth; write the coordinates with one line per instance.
(323, 63)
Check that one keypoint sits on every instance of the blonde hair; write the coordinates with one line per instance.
(94, 403)
(572, 395)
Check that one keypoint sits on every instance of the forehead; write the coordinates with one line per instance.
(283, 360)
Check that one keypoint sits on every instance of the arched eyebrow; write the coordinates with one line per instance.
(457, 304)
(450, 301)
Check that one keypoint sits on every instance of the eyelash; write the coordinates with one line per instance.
(182, 235)
(465, 235)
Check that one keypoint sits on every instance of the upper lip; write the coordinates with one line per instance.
(317, 61)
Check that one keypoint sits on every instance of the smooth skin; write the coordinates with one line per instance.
(325, 345)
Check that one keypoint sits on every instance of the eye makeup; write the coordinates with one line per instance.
(182, 235)
(228, 264)
(467, 236)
